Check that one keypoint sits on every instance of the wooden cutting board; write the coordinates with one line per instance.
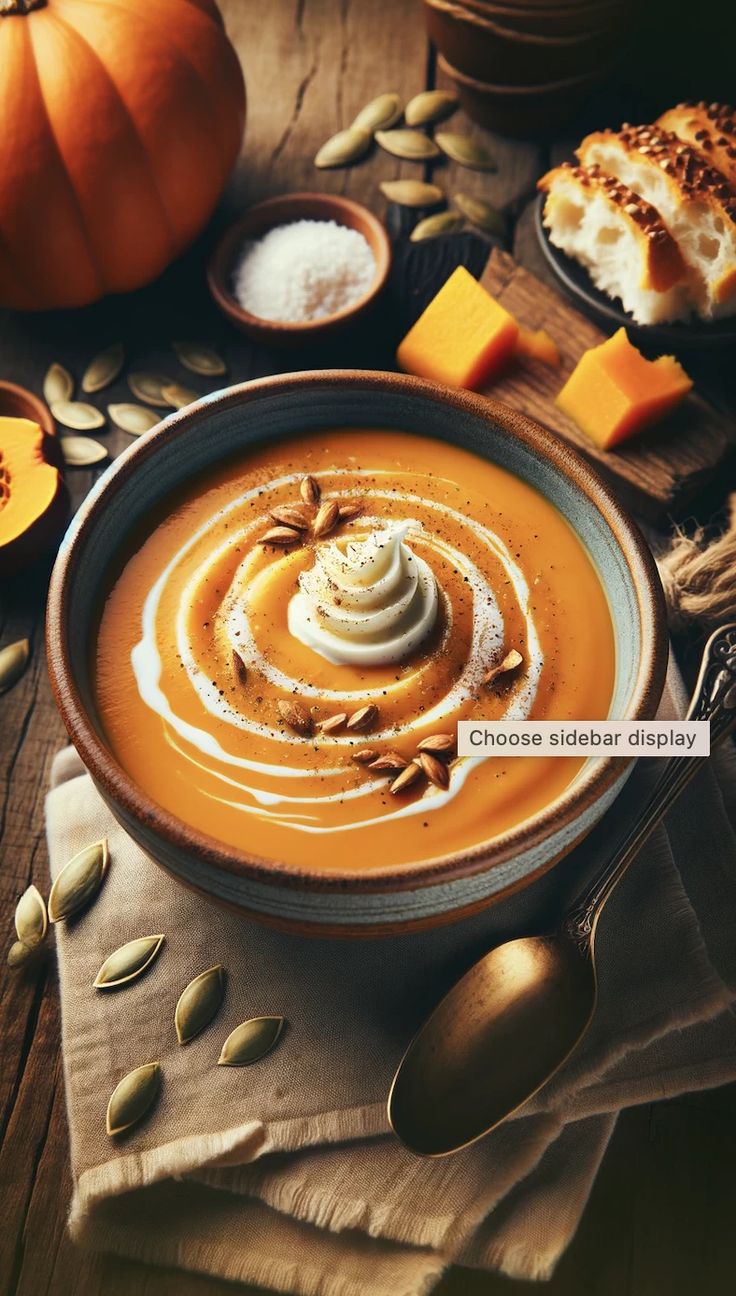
(654, 475)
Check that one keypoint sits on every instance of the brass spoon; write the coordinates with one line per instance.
(507, 1026)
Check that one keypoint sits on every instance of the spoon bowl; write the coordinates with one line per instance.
(494, 1040)
(509, 1024)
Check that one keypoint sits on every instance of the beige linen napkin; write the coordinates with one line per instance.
(283, 1174)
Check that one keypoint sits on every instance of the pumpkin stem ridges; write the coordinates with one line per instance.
(10, 7)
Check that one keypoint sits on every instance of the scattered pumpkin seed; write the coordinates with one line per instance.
(435, 769)
(410, 145)
(134, 419)
(58, 385)
(389, 763)
(128, 962)
(13, 661)
(327, 518)
(82, 452)
(291, 515)
(411, 193)
(365, 755)
(333, 722)
(79, 881)
(481, 214)
(78, 415)
(343, 148)
(364, 718)
(132, 1098)
(281, 536)
(379, 114)
(406, 778)
(149, 388)
(104, 369)
(239, 666)
(31, 919)
(21, 952)
(200, 359)
(429, 107)
(251, 1041)
(199, 1003)
(511, 662)
(439, 744)
(466, 151)
(179, 396)
(295, 716)
(309, 489)
(433, 226)
(350, 509)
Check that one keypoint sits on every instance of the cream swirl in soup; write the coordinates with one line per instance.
(366, 603)
(238, 680)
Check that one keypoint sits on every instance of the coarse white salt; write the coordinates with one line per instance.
(303, 271)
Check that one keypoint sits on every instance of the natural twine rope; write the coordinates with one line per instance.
(699, 578)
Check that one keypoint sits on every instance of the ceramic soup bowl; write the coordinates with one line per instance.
(189, 443)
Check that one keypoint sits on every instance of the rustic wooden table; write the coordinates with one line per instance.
(661, 1213)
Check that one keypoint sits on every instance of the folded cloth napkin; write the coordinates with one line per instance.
(283, 1174)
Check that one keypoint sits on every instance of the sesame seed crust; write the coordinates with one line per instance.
(710, 129)
(688, 169)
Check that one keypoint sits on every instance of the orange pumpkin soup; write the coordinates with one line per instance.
(326, 603)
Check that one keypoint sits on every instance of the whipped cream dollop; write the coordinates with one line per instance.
(367, 604)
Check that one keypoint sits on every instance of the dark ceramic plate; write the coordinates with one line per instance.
(610, 314)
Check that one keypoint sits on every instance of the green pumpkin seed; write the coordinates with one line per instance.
(200, 359)
(128, 962)
(379, 114)
(82, 452)
(58, 385)
(77, 415)
(21, 952)
(428, 107)
(31, 919)
(434, 226)
(132, 1098)
(179, 396)
(104, 369)
(134, 419)
(343, 148)
(466, 151)
(199, 1003)
(148, 387)
(411, 193)
(78, 882)
(13, 661)
(481, 214)
(411, 145)
(250, 1041)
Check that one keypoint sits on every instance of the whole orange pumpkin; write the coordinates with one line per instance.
(120, 121)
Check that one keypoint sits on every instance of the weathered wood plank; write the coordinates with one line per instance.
(656, 474)
(309, 70)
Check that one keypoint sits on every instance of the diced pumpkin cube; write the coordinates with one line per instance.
(614, 392)
(463, 338)
(538, 345)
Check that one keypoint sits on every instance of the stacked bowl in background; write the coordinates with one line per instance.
(521, 66)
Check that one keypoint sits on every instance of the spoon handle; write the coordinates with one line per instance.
(714, 699)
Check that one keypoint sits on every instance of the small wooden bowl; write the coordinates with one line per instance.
(18, 402)
(282, 211)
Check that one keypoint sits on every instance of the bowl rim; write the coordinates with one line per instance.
(303, 205)
(122, 790)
